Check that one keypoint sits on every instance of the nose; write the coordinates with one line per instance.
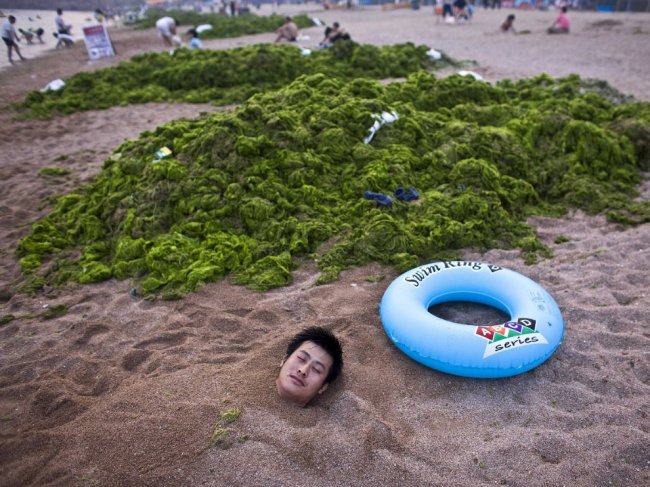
(303, 370)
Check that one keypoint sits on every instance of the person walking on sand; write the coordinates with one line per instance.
(562, 23)
(288, 31)
(167, 29)
(11, 38)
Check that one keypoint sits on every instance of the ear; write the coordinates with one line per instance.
(324, 388)
(283, 361)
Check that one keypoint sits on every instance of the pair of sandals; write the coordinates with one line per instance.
(385, 200)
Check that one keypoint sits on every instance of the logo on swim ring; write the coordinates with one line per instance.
(421, 273)
(513, 334)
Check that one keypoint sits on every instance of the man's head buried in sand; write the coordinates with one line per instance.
(313, 360)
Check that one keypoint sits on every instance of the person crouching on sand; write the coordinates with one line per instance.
(313, 360)
(10, 37)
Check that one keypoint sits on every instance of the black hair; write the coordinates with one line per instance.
(564, 9)
(176, 21)
(11, 19)
(324, 339)
(511, 16)
(59, 11)
(287, 19)
(336, 24)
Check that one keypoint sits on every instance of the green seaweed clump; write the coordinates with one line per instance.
(251, 192)
(55, 311)
(223, 26)
(53, 172)
(224, 76)
(221, 435)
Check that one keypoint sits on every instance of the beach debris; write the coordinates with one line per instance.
(203, 28)
(381, 198)
(406, 194)
(472, 74)
(54, 85)
(317, 21)
(304, 51)
(162, 153)
(380, 120)
(433, 54)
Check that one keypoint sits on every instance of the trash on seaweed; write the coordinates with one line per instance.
(380, 121)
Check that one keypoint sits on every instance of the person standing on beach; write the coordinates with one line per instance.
(61, 26)
(10, 37)
(314, 359)
(167, 29)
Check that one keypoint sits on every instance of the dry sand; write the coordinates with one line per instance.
(123, 391)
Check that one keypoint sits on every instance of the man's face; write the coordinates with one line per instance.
(302, 375)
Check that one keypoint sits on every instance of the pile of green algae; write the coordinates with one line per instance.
(251, 192)
(225, 76)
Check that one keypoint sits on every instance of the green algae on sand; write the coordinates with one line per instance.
(223, 26)
(251, 192)
(224, 76)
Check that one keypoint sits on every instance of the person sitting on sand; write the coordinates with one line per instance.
(10, 37)
(313, 360)
(287, 32)
(167, 30)
(333, 34)
(508, 24)
(562, 24)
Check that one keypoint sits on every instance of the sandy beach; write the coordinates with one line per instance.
(124, 391)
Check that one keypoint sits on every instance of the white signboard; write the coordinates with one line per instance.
(98, 42)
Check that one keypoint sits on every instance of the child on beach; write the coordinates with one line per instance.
(508, 24)
(195, 42)
(10, 37)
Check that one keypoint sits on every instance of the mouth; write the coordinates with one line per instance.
(296, 380)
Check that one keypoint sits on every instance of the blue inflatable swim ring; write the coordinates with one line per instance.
(532, 334)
